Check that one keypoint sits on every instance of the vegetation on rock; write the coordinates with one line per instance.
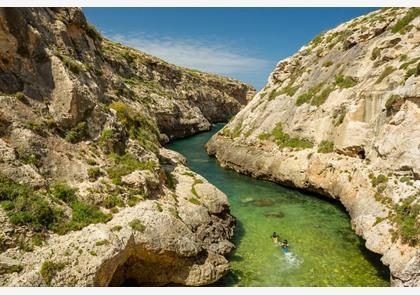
(285, 140)
(126, 164)
(402, 23)
(49, 269)
(326, 146)
(137, 225)
(345, 81)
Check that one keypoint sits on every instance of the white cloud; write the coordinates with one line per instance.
(197, 54)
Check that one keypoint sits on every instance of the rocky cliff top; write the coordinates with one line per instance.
(82, 120)
(341, 117)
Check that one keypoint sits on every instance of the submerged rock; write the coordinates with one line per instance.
(263, 202)
(277, 214)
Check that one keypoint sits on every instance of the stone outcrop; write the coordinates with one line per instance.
(88, 196)
(54, 57)
(156, 242)
(341, 118)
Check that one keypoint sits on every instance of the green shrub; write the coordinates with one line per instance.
(339, 115)
(112, 201)
(37, 127)
(159, 207)
(49, 269)
(284, 140)
(413, 71)
(116, 228)
(102, 242)
(304, 98)
(29, 159)
(77, 133)
(84, 214)
(236, 130)
(91, 162)
(38, 239)
(128, 57)
(133, 200)
(194, 201)
(94, 173)
(322, 97)
(126, 164)
(92, 32)
(70, 63)
(392, 100)
(289, 90)
(21, 96)
(170, 181)
(264, 136)
(25, 207)
(137, 125)
(196, 181)
(137, 225)
(345, 81)
(407, 213)
(273, 94)
(174, 212)
(327, 64)
(307, 97)
(388, 70)
(405, 179)
(14, 268)
(25, 246)
(63, 192)
(326, 146)
(377, 180)
(106, 135)
(10, 190)
(318, 39)
(405, 65)
(402, 23)
(314, 95)
(189, 174)
(375, 53)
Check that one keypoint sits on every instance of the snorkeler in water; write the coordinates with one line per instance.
(275, 237)
(285, 246)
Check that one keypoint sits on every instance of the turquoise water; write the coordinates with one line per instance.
(324, 251)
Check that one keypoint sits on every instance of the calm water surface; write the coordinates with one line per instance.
(324, 251)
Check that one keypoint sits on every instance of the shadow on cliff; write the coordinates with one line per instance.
(232, 278)
(375, 260)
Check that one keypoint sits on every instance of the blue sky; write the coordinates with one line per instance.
(243, 43)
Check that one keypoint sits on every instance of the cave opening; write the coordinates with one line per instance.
(149, 270)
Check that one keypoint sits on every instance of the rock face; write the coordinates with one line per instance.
(341, 118)
(169, 240)
(56, 58)
(88, 196)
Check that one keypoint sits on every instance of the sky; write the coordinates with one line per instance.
(242, 43)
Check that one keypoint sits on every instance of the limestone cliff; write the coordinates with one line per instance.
(88, 195)
(341, 117)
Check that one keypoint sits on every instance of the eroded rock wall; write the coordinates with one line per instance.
(88, 196)
(341, 117)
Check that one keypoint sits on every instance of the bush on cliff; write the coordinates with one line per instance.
(137, 125)
(326, 146)
(285, 140)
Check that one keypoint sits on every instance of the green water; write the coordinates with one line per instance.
(324, 251)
